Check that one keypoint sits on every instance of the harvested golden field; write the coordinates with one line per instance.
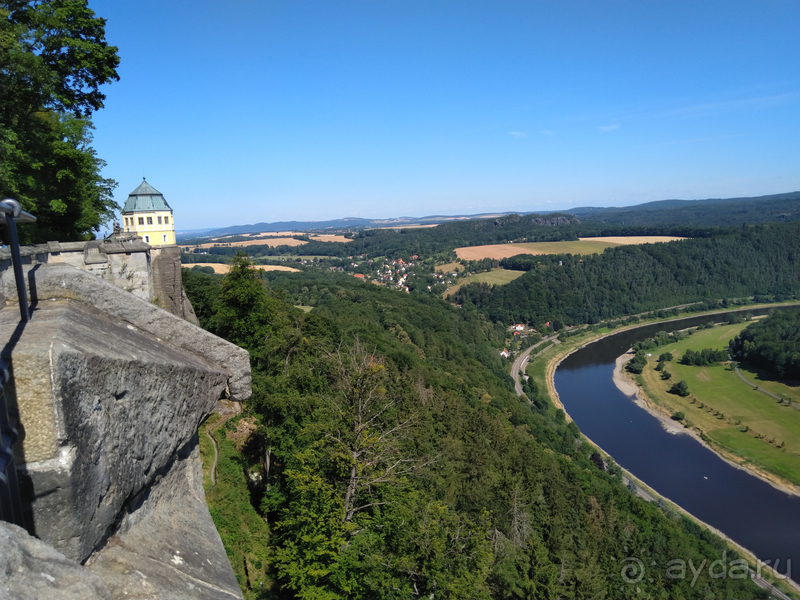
(272, 242)
(220, 268)
(282, 239)
(329, 237)
(582, 246)
(634, 239)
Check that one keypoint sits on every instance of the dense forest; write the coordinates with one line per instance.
(390, 458)
(729, 212)
(712, 213)
(442, 239)
(772, 344)
(760, 261)
(53, 59)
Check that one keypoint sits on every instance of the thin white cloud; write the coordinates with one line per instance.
(693, 140)
(518, 134)
(548, 132)
(760, 102)
(608, 128)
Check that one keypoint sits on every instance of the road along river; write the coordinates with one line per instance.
(745, 508)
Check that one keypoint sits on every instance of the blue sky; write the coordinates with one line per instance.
(256, 110)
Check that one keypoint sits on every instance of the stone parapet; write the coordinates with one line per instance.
(107, 390)
(60, 281)
(102, 408)
(149, 273)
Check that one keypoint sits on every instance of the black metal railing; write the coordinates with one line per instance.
(10, 502)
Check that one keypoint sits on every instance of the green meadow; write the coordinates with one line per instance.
(493, 277)
(496, 276)
(744, 421)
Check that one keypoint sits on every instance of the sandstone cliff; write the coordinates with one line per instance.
(108, 390)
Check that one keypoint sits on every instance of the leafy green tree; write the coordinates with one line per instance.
(681, 388)
(772, 343)
(203, 290)
(53, 60)
(637, 363)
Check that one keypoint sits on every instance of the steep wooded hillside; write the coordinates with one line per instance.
(390, 458)
(757, 261)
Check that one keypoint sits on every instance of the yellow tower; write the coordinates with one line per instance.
(147, 214)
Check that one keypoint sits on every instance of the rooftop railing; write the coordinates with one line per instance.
(11, 213)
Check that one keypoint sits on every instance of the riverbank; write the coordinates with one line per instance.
(631, 389)
(790, 587)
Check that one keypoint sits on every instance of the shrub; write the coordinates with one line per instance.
(681, 388)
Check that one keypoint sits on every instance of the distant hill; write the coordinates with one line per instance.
(337, 224)
(719, 212)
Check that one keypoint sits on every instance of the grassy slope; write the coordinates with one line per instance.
(719, 389)
(493, 277)
(450, 267)
(241, 528)
(496, 276)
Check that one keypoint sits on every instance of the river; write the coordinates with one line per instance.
(753, 513)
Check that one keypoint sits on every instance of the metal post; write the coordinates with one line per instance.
(10, 500)
(16, 259)
(12, 211)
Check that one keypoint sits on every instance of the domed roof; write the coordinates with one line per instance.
(145, 198)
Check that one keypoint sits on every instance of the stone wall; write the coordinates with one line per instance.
(108, 390)
(152, 273)
(168, 289)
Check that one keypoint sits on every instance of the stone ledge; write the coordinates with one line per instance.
(61, 281)
(29, 568)
(102, 408)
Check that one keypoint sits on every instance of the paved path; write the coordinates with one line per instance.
(641, 492)
(522, 360)
(757, 387)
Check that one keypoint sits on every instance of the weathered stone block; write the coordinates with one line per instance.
(167, 284)
(29, 568)
(167, 546)
(120, 402)
(62, 281)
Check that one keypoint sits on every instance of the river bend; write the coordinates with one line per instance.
(761, 518)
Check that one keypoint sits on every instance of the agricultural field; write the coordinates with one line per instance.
(582, 246)
(496, 276)
(493, 277)
(222, 268)
(452, 267)
(740, 419)
(282, 238)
